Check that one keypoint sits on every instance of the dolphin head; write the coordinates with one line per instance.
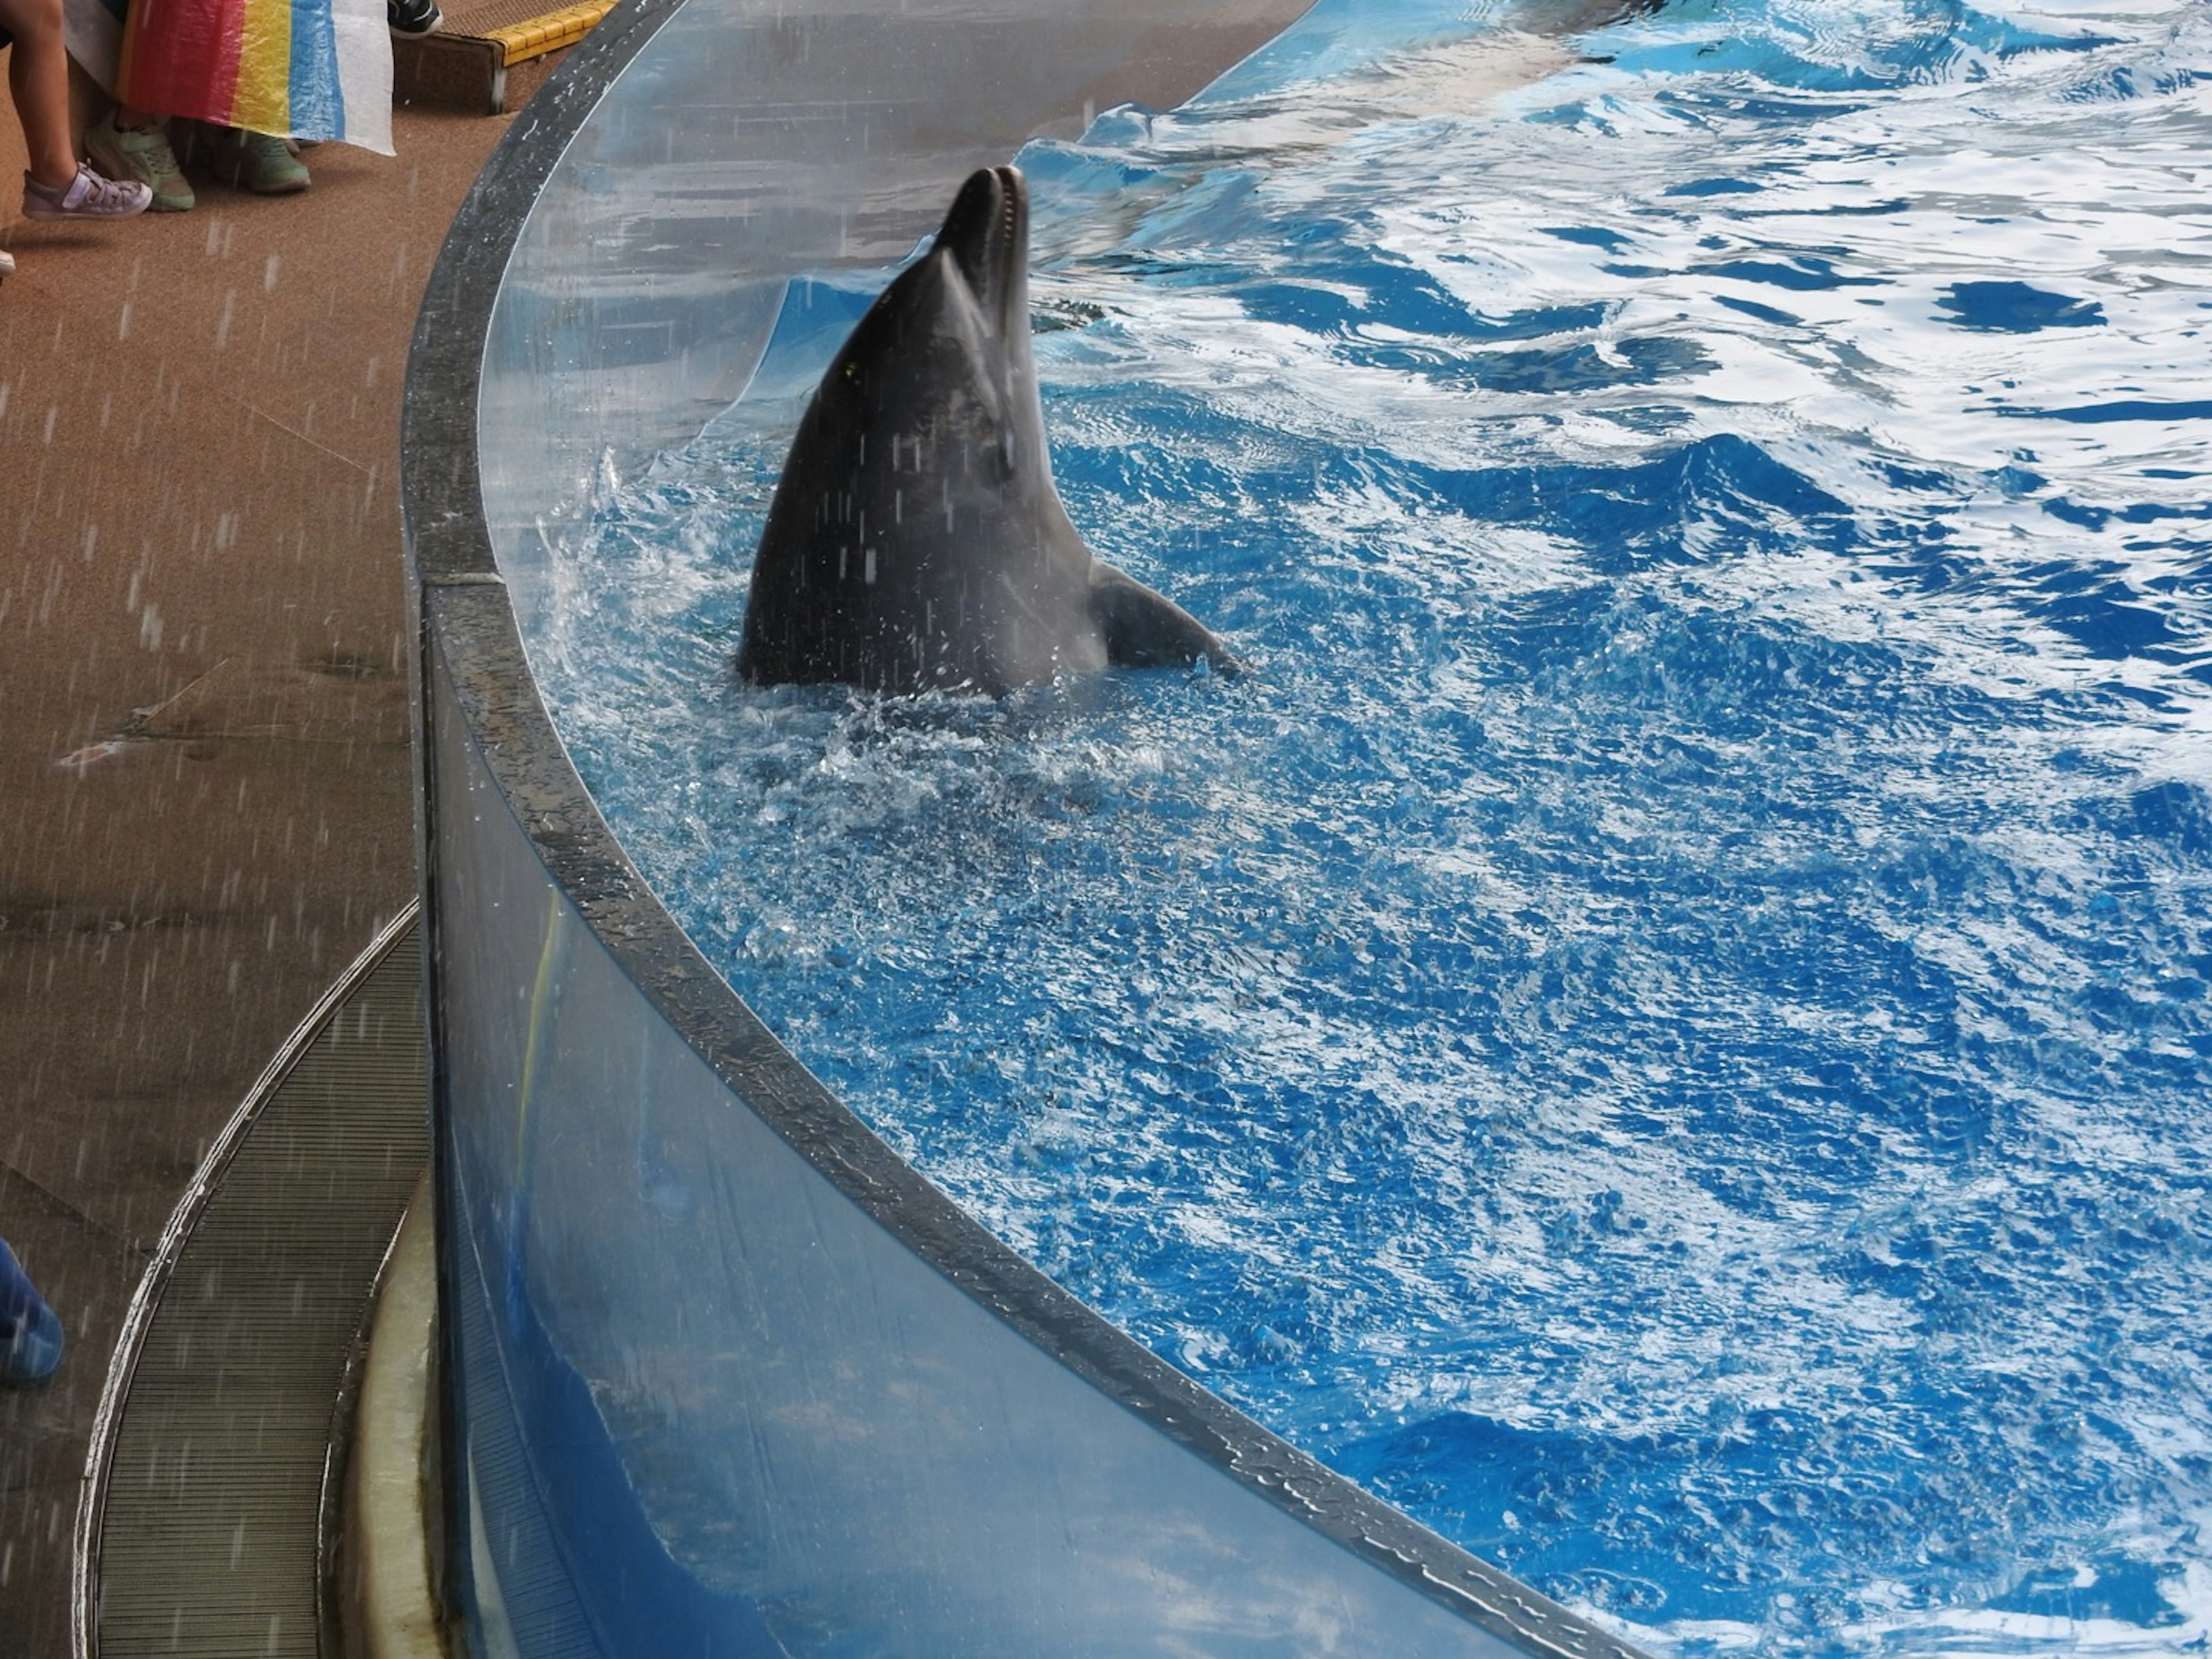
(944, 357)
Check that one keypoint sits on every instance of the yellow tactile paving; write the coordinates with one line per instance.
(537, 36)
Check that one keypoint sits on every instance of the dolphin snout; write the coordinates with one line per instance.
(988, 234)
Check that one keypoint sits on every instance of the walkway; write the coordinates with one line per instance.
(200, 601)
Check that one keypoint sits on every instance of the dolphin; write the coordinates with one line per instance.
(917, 541)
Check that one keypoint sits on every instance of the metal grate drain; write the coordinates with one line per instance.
(201, 1531)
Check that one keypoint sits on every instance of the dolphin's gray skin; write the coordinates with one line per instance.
(916, 542)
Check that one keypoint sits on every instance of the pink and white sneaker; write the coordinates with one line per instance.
(87, 196)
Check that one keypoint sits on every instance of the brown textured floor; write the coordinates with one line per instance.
(201, 599)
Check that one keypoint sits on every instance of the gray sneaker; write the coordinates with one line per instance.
(143, 153)
(87, 196)
(267, 166)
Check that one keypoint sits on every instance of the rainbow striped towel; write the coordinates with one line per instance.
(301, 69)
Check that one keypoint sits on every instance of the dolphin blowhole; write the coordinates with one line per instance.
(917, 541)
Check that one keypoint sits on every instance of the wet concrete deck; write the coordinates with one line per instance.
(204, 788)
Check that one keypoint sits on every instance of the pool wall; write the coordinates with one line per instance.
(721, 1374)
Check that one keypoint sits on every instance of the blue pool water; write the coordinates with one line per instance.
(1665, 1031)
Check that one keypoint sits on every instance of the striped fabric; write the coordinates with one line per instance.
(301, 69)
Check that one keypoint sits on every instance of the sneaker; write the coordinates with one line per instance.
(7, 263)
(267, 166)
(87, 196)
(143, 153)
(30, 1335)
(413, 17)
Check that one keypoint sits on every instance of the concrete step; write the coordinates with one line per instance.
(489, 55)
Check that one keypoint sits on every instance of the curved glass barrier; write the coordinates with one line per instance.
(721, 1374)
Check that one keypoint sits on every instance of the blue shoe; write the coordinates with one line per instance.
(30, 1335)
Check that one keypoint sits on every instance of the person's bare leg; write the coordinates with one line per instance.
(38, 78)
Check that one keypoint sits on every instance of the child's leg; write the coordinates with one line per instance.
(38, 76)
